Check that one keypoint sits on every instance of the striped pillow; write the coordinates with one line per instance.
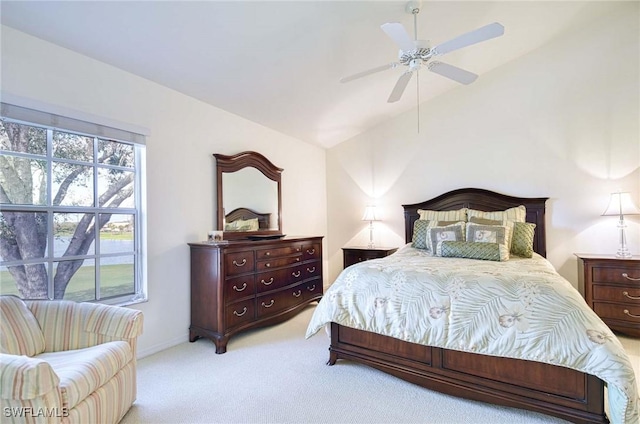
(20, 333)
(517, 214)
(453, 216)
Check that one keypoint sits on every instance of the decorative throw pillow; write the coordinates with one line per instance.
(453, 216)
(419, 240)
(522, 239)
(517, 214)
(499, 234)
(438, 234)
(484, 221)
(471, 250)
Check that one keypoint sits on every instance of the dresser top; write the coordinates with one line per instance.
(251, 243)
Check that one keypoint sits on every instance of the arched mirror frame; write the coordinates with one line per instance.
(233, 163)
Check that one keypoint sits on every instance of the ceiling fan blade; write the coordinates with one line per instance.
(452, 72)
(397, 33)
(397, 91)
(369, 72)
(481, 34)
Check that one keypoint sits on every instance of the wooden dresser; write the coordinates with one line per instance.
(611, 287)
(245, 284)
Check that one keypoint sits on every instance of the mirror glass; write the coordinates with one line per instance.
(249, 188)
(249, 196)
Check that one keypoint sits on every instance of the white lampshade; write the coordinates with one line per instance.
(621, 203)
(369, 214)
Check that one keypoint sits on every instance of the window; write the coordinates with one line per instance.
(71, 203)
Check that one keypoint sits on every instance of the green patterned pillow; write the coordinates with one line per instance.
(522, 240)
(470, 250)
(437, 234)
(419, 240)
(500, 234)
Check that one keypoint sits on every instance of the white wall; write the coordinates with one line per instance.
(184, 133)
(561, 122)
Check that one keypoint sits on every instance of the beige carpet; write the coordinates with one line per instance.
(274, 375)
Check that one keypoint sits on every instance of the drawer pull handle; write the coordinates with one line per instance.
(239, 314)
(312, 269)
(626, 311)
(296, 274)
(268, 265)
(297, 294)
(267, 254)
(625, 293)
(311, 252)
(312, 288)
(297, 259)
(243, 263)
(244, 286)
(269, 305)
(625, 275)
(267, 283)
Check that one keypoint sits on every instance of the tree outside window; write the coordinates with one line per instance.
(69, 215)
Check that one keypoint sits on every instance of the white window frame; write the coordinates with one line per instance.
(51, 122)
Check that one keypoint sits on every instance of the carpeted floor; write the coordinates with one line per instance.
(274, 375)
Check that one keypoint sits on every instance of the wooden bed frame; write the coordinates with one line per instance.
(549, 389)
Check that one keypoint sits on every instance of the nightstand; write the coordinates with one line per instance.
(354, 254)
(611, 287)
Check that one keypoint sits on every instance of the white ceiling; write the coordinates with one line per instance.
(278, 63)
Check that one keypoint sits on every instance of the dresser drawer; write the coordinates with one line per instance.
(273, 280)
(239, 287)
(277, 263)
(628, 313)
(311, 270)
(622, 294)
(269, 304)
(240, 312)
(312, 289)
(277, 252)
(621, 275)
(238, 262)
(312, 252)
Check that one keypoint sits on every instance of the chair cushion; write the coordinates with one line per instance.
(82, 371)
(20, 333)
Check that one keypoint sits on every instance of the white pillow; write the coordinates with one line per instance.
(436, 235)
(453, 216)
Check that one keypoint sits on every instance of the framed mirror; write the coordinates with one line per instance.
(249, 196)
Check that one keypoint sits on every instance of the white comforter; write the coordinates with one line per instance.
(521, 308)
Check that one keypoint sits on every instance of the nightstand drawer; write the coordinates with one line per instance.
(629, 295)
(621, 275)
(627, 313)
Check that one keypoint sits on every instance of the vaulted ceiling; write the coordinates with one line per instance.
(278, 63)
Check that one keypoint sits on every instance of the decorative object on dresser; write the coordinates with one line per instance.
(247, 284)
(621, 204)
(370, 215)
(611, 287)
(354, 254)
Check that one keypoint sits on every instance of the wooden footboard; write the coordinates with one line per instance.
(549, 389)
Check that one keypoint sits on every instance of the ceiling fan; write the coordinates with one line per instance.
(417, 54)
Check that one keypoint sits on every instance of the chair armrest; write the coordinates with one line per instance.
(24, 378)
(70, 325)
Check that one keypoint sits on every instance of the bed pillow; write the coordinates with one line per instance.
(471, 250)
(437, 234)
(452, 216)
(419, 240)
(522, 239)
(499, 234)
(243, 225)
(484, 221)
(517, 214)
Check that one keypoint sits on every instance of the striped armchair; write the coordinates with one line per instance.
(66, 362)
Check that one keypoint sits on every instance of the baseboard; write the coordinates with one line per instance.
(142, 353)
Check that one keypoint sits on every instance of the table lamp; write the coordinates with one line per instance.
(621, 204)
(370, 215)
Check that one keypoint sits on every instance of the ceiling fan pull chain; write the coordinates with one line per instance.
(418, 98)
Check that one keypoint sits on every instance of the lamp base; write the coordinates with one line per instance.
(623, 254)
